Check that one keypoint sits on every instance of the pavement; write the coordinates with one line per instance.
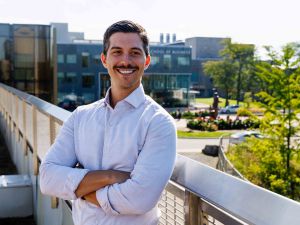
(192, 147)
(181, 124)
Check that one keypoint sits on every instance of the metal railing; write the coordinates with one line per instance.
(197, 194)
(224, 164)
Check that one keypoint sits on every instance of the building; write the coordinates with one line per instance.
(78, 66)
(203, 49)
(27, 59)
(62, 67)
(64, 35)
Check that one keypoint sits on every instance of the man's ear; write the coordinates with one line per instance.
(103, 60)
(147, 62)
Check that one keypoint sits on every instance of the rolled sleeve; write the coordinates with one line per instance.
(153, 169)
(103, 199)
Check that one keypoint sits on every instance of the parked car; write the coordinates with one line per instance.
(241, 136)
(230, 109)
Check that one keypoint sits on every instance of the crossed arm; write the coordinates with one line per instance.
(94, 180)
(115, 191)
(58, 177)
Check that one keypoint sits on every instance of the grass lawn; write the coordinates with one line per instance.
(202, 134)
(209, 101)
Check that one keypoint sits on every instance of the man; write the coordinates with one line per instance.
(126, 143)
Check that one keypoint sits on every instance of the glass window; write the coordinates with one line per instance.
(24, 60)
(2, 48)
(24, 74)
(154, 60)
(172, 84)
(85, 59)
(19, 75)
(70, 77)
(88, 80)
(71, 58)
(4, 29)
(97, 59)
(159, 81)
(167, 61)
(183, 61)
(60, 75)
(60, 58)
(60, 78)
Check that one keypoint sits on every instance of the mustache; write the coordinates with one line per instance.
(125, 67)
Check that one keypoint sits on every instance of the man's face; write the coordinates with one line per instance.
(125, 61)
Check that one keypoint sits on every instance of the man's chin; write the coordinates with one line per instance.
(130, 86)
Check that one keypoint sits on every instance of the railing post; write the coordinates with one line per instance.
(17, 117)
(35, 158)
(9, 124)
(203, 215)
(54, 200)
(11, 113)
(192, 209)
(24, 128)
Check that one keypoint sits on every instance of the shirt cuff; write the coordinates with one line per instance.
(103, 199)
(73, 180)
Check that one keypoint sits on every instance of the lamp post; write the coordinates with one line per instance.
(215, 105)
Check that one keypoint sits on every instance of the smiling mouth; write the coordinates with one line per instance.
(126, 71)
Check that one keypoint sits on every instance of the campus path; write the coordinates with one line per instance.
(192, 147)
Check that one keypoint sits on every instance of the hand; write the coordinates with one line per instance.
(91, 197)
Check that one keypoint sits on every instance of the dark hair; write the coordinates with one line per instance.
(126, 26)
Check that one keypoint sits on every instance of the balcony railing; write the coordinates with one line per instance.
(197, 194)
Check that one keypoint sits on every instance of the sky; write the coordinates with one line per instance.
(259, 22)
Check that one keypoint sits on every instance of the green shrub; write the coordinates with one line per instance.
(213, 125)
(189, 115)
(244, 112)
(261, 162)
(251, 123)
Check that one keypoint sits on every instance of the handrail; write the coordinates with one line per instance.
(242, 199)
(46, 107)
(224, 164)
(206, 193)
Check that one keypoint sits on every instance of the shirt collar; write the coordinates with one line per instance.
(135, 98)
(107, 99)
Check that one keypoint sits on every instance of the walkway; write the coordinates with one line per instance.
(192, 148)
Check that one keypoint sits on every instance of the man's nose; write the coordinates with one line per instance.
(126, 59)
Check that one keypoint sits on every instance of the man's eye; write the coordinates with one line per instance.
(136, 53)
(116, 52)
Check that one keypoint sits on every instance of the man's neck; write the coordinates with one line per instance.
(118, 95)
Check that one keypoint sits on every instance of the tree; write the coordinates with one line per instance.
(282, 75)
(275, 159)
(242, 56)
(247, 99)
(222, 73)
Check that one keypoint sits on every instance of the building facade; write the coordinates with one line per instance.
(27, 59)
(203, 49)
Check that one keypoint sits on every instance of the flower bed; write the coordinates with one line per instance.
(204, 124)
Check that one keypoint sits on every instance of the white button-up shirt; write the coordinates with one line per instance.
(137, 136)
